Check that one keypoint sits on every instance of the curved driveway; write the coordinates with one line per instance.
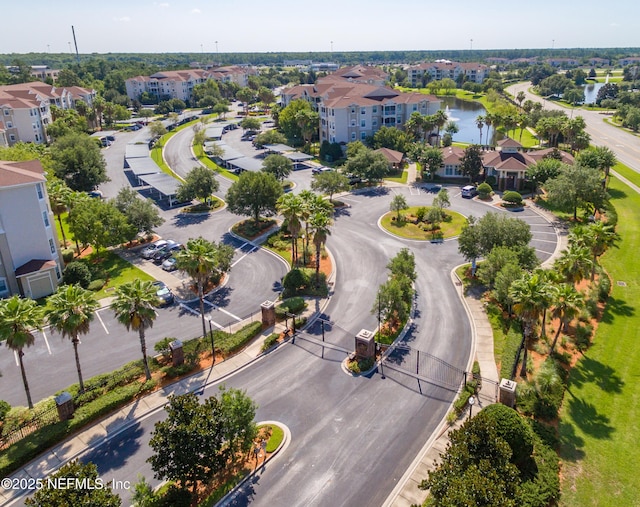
(352, 438)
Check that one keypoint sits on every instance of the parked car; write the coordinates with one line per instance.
(162, 255)
(96, 194)
(148, 252)
(169, 264)
(318, 170)
(164, 293)
(468, 191)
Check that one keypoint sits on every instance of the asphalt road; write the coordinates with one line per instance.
(626, 146)
(352, 438)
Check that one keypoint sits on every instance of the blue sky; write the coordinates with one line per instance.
(284, 25)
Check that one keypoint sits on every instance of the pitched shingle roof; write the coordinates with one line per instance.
(19, 173)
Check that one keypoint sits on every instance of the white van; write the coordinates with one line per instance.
(469, 191)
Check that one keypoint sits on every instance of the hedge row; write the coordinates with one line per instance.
(230, 343)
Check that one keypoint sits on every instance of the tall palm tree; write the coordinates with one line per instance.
(488, 121)
(520, 97)
(18, 318)
(291, 208)
(480, 125)
(574, 263)
(70, 312)
(201, 259)
(597, 237)
(567, 306)
(606, 160)
(547, 294)
(321, 225)
(528, 295)
(59, 195)
(440, 119)
(135, 307)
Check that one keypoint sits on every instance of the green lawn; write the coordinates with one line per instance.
(118, 271)
(399, 179)
(598, 429)
(65, 226)
(410, 230)
(202, 157)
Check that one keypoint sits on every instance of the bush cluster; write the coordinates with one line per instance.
(303, 282)
(290, 305)
(229, 343)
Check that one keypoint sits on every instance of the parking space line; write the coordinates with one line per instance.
(250, 251)
(46, 341)
(190, 309)
(102, 322)
(216, 324)
(229, 314)
(417, 190)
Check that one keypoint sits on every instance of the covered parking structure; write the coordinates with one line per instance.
(214, 132)
(298, 160)
(277, 149)
(241, 164)
(140, 167)
(165, 185)
(228, 154)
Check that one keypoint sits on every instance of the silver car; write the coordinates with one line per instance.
(154, 247)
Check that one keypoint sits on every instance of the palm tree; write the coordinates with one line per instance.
(312, 203)
(606, 160)
(18, 318)
(201, 259)
(528, 295)
(547, 294)
(440, 119)
(520, 97)
(70, 311)
(567, 306)
(321, 224)
(597, 237)
(480, 124)
(59, 195)
(488, 121)
(575, 263)
(135, 307)
(291, 208)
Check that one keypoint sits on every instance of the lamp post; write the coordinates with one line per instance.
(213, 350)
(472, 401)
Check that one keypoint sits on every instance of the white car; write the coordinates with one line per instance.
(150, 251)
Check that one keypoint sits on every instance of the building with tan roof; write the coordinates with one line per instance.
(352, 110)
(445, 69)
(30, 261)
(25, 108)
(179, 84)
(508, 163)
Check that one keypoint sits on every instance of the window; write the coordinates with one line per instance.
(374, 109)
(9, 125)
(363, 135)
(57, 272)
(39, 190)
(353, 136)
(45, 217)
(353, 110)
(7, 112)
(52, 246)
(363, 110)
(363, 123)
(375, 122)
(12, 137)
(3, 285)
(353, 123)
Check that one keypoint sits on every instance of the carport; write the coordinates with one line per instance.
(278, 149)
(213, 132)
(245, 164)
(228, 152)
(141, 166)
(165, 185)
(298, 159)
(136, 150)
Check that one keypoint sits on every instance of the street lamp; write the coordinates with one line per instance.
(472, 401)
(213, 350)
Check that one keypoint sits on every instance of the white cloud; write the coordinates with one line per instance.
(123, 19)
(196, 11)
(164, 5)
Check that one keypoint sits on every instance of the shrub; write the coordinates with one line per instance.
(178, 371)
(360, 365)
(421, 213)
(162, 347)
(484, 190)
(4, 409)
(77, 273)
(294, 281)
(300, 322)
(604, 286)
(583, 336)
(491, 180)
(512, 197)
(67, 255)
(229, 343)
(96, 285)
(294, 304)
(270, 341)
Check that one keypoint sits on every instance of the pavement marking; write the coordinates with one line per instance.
(101, 322)
(228, 313)
(417, 190)
(190, 309)
(545, 241)
(46, 342)
(212, 305)
(350, 199)
(543, 251)
(250, 251)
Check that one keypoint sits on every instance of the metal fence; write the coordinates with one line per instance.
(38, 420)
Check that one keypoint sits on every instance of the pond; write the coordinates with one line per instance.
(464, 113)
(591, 92)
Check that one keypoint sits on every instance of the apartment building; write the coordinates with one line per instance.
(179, 84)
(25, 108)
(445, 69)
(30, 261)
(353, 103)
